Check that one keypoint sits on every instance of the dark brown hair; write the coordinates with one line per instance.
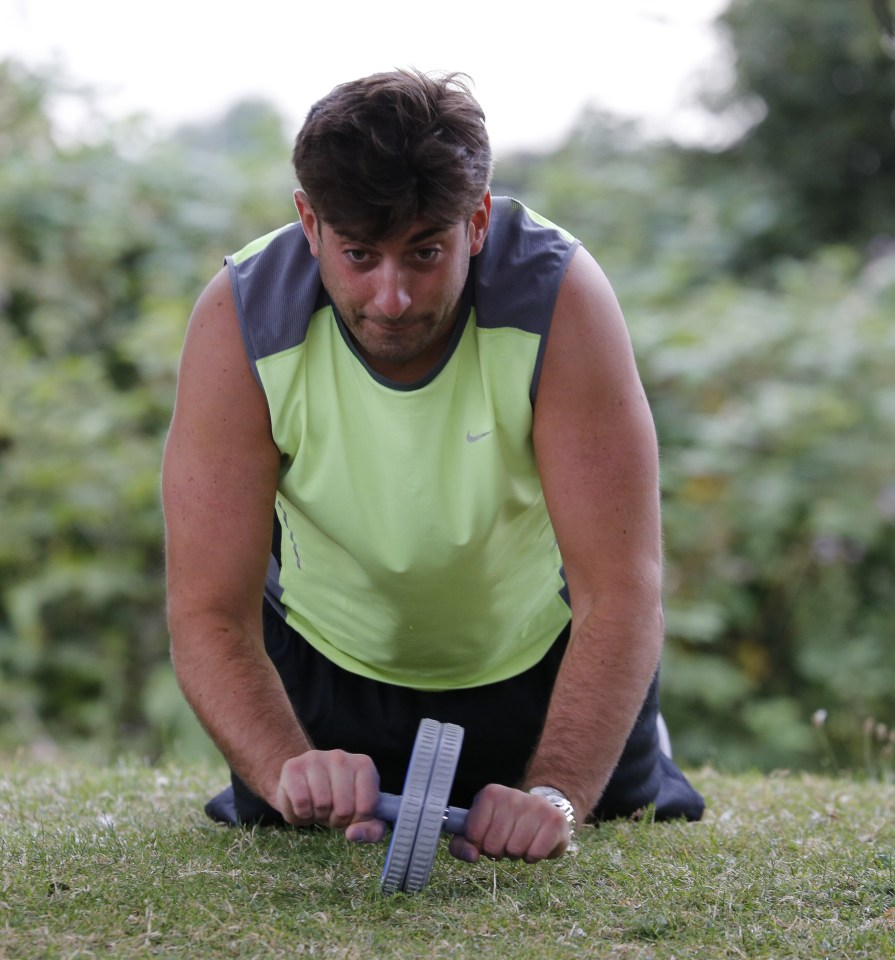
(379, 153)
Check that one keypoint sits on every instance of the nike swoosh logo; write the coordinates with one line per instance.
(472, 437)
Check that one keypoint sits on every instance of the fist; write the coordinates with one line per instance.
(332, 788)
(504, 822)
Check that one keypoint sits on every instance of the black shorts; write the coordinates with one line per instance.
(502, 722)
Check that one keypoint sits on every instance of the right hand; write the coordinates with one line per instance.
(332, 788)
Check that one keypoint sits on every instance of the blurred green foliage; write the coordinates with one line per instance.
(107, 240)
(759, 284)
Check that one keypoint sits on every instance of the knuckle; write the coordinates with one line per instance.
(492, 792)
(302, 811)
(293, 766)
(338, 758)
(517, 851)
(341, 813)
(558, 819)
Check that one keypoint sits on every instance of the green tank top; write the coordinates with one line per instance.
(414, 543)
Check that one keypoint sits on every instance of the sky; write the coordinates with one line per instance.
(534, 67)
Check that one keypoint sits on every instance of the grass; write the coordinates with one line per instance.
(120, 862)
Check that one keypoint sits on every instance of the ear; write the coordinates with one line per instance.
(309, 222)
(478, 225)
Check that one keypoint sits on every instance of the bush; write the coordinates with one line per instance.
(775, 414)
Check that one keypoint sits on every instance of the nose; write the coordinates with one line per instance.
(392, 295)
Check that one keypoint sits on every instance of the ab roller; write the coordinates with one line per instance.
(421, 814)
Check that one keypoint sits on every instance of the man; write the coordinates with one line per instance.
(464, 512)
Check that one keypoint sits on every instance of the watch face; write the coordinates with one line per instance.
(559, 800)
(548, 792)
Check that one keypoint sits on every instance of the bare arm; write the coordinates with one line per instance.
(218, 484)
(597, 454)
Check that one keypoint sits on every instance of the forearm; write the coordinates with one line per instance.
(600, 687)
(238, 697)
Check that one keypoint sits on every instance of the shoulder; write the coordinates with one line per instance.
(589, 369)
(214, 369)
(586, 302)
(516, 233)
(216, 385)
(212, 325)
(589, 343)
(276, 289)
(520, 269)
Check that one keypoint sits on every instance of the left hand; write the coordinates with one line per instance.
(504, 822)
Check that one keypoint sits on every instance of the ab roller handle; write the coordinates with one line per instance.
(421, 814)
(454, 817)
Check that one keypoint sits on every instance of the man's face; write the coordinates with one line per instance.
(399, 298)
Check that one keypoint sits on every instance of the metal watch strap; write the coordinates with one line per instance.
(560, 801)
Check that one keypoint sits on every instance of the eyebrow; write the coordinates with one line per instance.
(419, 237)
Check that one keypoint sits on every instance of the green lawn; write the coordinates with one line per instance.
(120, 862)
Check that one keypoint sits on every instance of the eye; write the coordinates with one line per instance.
(427, 254)
(354, 255)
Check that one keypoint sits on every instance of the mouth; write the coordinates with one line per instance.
(391, 326)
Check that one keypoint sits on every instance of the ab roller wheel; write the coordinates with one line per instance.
(421, 814)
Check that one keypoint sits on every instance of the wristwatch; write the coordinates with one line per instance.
(560, 801)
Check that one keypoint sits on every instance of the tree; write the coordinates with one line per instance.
(817, 81)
